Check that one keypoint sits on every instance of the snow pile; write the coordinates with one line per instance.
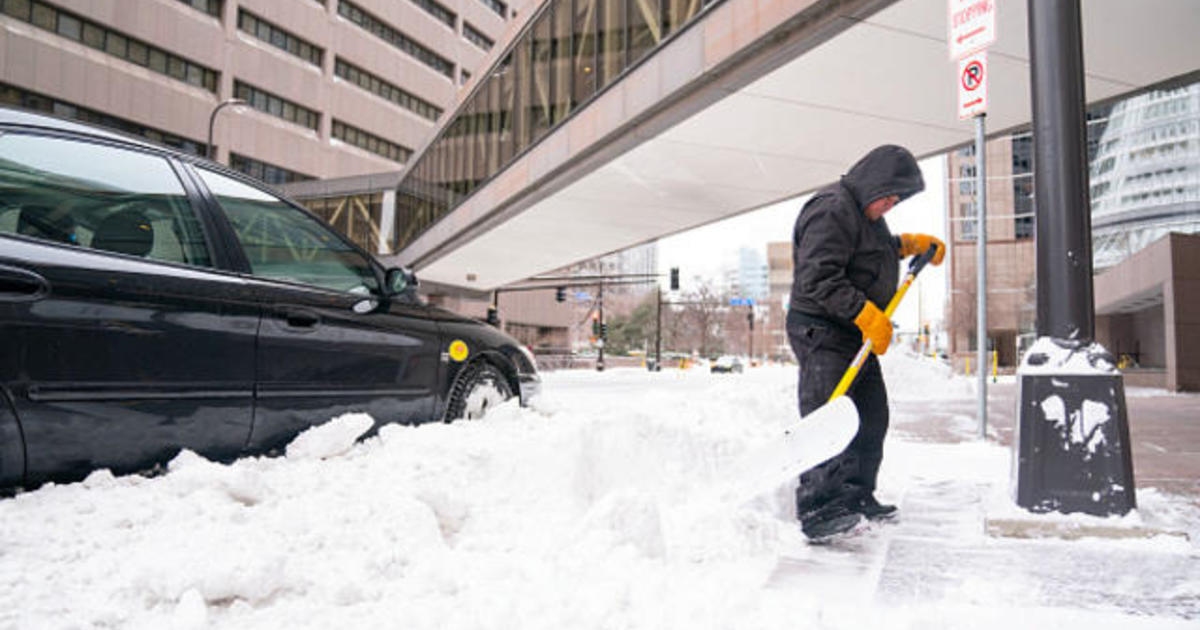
(593, 509)
(330, 439)
(913, 377)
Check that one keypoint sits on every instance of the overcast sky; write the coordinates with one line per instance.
(708, 251)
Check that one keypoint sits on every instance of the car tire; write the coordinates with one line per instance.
(481, 387)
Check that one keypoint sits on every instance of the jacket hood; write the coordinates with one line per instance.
(886, 170)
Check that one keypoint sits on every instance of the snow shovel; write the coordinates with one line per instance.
(824, 432)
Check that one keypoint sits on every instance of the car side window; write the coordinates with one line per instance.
(99, 197)
(285, 243)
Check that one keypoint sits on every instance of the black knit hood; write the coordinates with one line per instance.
(886, 170)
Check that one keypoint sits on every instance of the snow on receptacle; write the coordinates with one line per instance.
(1046, 356)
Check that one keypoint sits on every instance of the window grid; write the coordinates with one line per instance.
(500, 8)
(279, 38)
(105, 39)
(211, 7)
(376, 27)
(439, 12)
(475, 37)
(271, 104)
(380, 87)
(11, 95)
(371, 142)
(265, 172)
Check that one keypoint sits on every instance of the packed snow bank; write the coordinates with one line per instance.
(593, 509)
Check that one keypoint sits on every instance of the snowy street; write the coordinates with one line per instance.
(595, 508)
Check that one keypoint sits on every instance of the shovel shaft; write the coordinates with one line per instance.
(865, 351)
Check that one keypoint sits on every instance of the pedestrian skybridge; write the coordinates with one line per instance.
(601, 124)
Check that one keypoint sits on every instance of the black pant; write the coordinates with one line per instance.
(824, 353)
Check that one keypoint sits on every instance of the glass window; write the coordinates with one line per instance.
(70, 27)
(644, 30)
(43, 16)
(479, 138)
(563, 25)
(521, 109)
(158, 61)
(583, 56)
(508, 93)
(138, 53)
(104, 198)
(17, 8)
(611, 40)
(116, 45)
(284, 243)
(493, 125)
(93, 36)
(540, 85)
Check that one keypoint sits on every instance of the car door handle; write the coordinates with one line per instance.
(300, 318)
(21, 285)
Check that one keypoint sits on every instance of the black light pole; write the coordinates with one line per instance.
(658, 333)
(600, 358)
(212, 119)
(1073, 434)
(750, 321)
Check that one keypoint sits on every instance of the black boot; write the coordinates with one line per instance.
(871, 508)
(831, 519)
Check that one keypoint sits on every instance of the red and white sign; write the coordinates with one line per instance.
(972, 85)
(972, 26)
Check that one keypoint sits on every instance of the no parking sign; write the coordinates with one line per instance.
(972, 85)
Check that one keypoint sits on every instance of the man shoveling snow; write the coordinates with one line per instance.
(846, 268)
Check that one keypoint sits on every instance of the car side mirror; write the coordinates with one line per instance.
(398, 280)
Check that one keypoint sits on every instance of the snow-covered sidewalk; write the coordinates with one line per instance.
(593, 509)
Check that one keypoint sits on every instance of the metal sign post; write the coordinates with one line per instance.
(981, 270)
(972, 28)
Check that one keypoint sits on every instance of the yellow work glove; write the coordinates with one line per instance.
(915, 244)
(874, 326)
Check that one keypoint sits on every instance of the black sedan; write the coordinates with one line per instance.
(152, 301)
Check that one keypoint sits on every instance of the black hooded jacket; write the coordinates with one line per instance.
(841, 259)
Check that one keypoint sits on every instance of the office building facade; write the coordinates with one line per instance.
(333, 88)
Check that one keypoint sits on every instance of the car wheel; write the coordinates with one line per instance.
(480, 389)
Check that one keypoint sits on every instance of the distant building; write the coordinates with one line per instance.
(779, 282)
(1145, 176)
(1144, 156)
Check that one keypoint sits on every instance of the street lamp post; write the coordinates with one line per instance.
(212, 119)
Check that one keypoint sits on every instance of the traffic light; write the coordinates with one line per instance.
(560, 294)
(595, 325)
(604, 331)
(493, 316)
(674, 278)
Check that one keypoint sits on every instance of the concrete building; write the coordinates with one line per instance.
(334, 88)
(1012, 299)
(1148, 313)
(779, 282)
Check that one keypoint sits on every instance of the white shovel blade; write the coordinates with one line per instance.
(818, 436)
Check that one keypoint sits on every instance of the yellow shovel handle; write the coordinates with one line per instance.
(865, 351)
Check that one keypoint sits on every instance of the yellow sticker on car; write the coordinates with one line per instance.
(458, 350)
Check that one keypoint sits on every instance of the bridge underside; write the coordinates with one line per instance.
(781, 118)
